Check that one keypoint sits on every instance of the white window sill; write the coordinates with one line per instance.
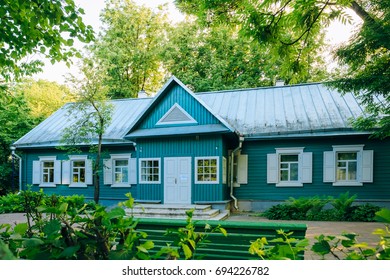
(206, 182)
(347, 184)
(47, 185)
(78, 185)
(121, 186)
(149, 182)
(289, 184)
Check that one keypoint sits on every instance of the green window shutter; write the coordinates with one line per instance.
(57, 172)
(368, 166)
(107, 172)
(307, 167)
(329, 167)
(36, 175)
(66, 172)
(132, 171)
(272, 169)
(88, 172)
(242, 169)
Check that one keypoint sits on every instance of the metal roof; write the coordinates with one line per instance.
(280, 111)
(285, 110)
(48, 133)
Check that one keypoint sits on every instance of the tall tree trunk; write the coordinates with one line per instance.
(96, 181)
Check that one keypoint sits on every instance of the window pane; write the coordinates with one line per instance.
(352, 167)
(48, 164)
(79, 163)
(121, 163)
(341, 174)
(287, 158)
(283, 175)
(294, 172)
(347, 156)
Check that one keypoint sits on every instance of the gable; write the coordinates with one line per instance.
(176, 115)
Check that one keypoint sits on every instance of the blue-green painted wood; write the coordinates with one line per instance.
(107, 193)
(178, 95)
(191, 146)
(258, 189)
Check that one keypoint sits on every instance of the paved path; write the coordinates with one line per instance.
(314, 228)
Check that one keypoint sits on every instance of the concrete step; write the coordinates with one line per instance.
(173, 211)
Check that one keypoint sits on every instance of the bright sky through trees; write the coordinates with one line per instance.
(337, 34)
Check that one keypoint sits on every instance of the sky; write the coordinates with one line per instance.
(338, 33)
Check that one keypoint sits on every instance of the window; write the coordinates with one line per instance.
(120, 170)
(46, 171)
(150, 171)
(77, 171)
(348, 165)
(289, 167)
(207, 171)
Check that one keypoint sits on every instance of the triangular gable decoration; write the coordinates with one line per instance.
(176, 115)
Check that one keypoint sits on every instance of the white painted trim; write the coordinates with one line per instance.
(217, 171)
(290, 151)
(140, 171)
(176, 105)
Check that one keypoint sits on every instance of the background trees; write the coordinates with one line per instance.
(129, 47)
(41, 27)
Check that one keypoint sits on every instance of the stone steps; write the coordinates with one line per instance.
(175, 211)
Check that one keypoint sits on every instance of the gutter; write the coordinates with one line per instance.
(241, 139)
(13, 148)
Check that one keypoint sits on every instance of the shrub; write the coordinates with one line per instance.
(364, 213)
(281, 212)
(10, 204)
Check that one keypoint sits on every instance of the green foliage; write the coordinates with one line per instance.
(57, 230)
(187, 240)
(312, 209)
(40, 26)
(281, 248)
(346, 246)
(129, 48)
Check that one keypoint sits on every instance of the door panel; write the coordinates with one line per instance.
(177, 180)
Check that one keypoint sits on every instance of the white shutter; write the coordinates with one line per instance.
(329, 167)
(224, 170)
(57, 172)
(88, 172)
(36, 174)
(307, 167)
(66, 172)
(132, 171)
(368, 166)
(272, 169)
(107, 171)
(242, 169)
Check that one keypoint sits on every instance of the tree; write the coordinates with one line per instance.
(129, 47)
(16, 120)
(217, 58)
(368, 75)
(44, 97)
(91, 116)
(47, 27)
(284, 24)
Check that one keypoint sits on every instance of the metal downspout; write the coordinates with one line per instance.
(241, 139)
(20, 166)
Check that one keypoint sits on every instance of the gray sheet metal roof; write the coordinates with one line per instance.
(285, 110)
(48, 133)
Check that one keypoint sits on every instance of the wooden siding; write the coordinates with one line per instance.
(258, 189)
(192, 146)
(178, 95)
(107, 192)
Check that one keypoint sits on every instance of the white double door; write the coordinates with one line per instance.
(177, 180)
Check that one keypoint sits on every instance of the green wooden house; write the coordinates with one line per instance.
(247, 148)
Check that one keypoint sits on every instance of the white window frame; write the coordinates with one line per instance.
(140, 171)
(42, 160)
(358, 149)
(72, 160)
(109, 171)
(305, 167)
(290, 151)
(217, 171)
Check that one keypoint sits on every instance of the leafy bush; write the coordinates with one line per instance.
(10, 204)
(312, 209)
